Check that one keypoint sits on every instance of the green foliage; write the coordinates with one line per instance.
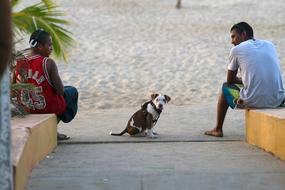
(44, 15)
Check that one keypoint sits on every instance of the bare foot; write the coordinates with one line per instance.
(214, 133)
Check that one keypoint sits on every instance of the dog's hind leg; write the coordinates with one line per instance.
(140, 134)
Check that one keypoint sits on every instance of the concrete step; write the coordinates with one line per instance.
(266, 129)
(159, 166)
(33, 137)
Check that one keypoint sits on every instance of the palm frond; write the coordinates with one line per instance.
(45, 16)
(14, 2)
(20, 86)
(48, 3)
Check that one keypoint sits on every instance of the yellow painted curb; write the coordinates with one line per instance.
(266, 129)
(33, 137)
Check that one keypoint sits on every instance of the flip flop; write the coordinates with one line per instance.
(214, 133)
(62, 137)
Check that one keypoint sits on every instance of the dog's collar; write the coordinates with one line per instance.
(154, 107)
(144, 108)
(158, 112)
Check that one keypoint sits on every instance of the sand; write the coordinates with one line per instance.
(128, 49)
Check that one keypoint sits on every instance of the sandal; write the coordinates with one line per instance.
(214, 133)
(62, 137)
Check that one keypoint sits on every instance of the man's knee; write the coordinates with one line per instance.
(226, 84)
(71, 91)
(74, 92)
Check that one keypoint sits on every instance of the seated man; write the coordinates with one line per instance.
(48, 95)
(260, 85)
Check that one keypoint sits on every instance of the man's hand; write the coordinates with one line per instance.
(240, 103)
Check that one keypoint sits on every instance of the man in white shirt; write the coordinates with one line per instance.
(260, 84)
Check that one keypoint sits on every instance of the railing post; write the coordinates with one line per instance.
(6, 170)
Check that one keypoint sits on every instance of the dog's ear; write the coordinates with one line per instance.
(153, 96)
(167, 98)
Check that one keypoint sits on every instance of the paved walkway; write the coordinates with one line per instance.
(181, 158)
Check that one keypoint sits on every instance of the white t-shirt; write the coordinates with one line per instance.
(260, 73)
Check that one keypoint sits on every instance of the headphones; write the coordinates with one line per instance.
(35, 41)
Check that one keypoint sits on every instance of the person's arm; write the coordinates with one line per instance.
(54, 77)
(5, 35)
(232, 77)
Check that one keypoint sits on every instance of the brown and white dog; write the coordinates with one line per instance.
(142, 122)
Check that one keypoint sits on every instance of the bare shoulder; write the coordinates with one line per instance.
(51, 61)
(51, 65)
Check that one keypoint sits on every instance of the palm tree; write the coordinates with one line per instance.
(44, 15)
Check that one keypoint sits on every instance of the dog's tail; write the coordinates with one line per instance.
(119, 134)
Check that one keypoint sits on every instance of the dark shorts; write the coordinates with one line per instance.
(231, 93)
(71, 99)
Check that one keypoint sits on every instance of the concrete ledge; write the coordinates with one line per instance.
(33, 137)
(266, 129)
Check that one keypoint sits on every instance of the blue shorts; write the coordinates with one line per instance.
(71, 99)
(231, 93)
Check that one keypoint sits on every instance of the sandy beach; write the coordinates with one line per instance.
(128, 49)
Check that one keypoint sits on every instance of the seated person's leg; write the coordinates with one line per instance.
(71, 99)
(228, 97)
(231, 94)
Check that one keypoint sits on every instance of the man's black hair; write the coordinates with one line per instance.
(243, 27)
(38, 37)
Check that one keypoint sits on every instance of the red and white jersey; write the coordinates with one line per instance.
(42, 98)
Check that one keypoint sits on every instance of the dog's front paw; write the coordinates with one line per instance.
(151, 134)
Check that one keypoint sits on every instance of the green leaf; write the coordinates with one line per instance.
(21, 86)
